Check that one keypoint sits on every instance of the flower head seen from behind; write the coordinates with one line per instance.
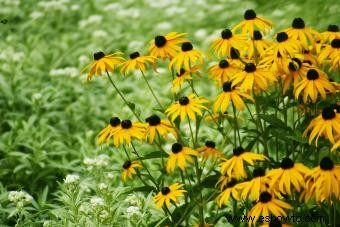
(326, 124)
(168, 194)
(251, 22)
(187, 58)
(166, 46)
(231, 94)
(186, 107)
(103, 63)
(267, 205)
(179, 156)
(234, 167)
(209, 151)
(137, 62)
(129, 169)
(157, 126)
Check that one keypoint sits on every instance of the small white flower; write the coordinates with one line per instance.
(99, 34)
(164, 26)
(75, 7)
(97, 202)
(103, 214)
(102, 186)
(110, 175)
(201, 34)
(36, 14)
(95, 19)
(135, 45)
(133, 211)
(71, 179)
(132, 199)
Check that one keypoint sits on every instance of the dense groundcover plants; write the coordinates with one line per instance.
(267, 144)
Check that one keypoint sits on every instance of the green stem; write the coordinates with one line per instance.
(236, 126)
(151, 90)
(192, 134)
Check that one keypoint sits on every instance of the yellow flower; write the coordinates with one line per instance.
(108, 132)
(158, 126)
(221, 46)
(233, 94)
(276, 64)
(255, 186)
(183, 76)
(331, 53)
(232, 190)
(331, 33)
(127, 132)
(137, 62)
(234, 167)
(336, 146)
(300, 32)
(251, 22)
(325, 182)
(164, 47)
(187, 58)
(289, 175)
(326, 124)
(209, 150)
(186, 106)
(285, 46)
(267, 205)
(129, 169)
(179, 156)
(168, 194)
(253, 77)
(256, 46)
(103, 63)
(223, 71)
(295, 71)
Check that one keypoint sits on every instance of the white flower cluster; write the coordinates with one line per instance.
(11, 55)
(99, 34)
(132, 199)
(93, 19)
(72, 179)
(54, 5)
(133, 212)
(97, 202)
(97, 162)
(68, 71)
(20, 198)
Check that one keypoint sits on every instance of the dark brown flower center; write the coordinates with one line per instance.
(165, 190)
(326, 164)
(114, 121)
(134, 55)
(328, 113)
(98, 55)
(265, 197)
(183, 101)
(250, 67)
(249, 14)
(257, 35)
(176, 147)
(295, 64)
(287, 163)
(223, 64)
(333, 28)
(234, 53)
(187, 46)
(210, 144)
(335, 43)
(181, 72)
(259, 172)
(298, 23)
(126, 124)
(226, 34)
(312, 74)
(127, 165)
(275, 223)
(281, 37)
(153, 120)
(238, 151)
(227, 87)
(160, 41)
(231, 183)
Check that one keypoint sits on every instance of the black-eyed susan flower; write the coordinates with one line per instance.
(253, 77)
(259, 183)
(166, 46)
(182, 76)
(234, 167)
(309, 57)
(168, 194)
(137, 62)
(275, 223)
(331, 33)
(325, 182)
(231, 94)
(187, 58)
(103, 63)
(209, 151)
(222, 45)
(179, 156)
(257, 45)
(129, 169)
(251, 22)
(307, 36)
(285, 46)
(231, 191)
(294, 72)
(215, 117)
(267, 204)
(223, 71)
(127, 132)
(289, 175)
(331, 53)
(222, 182)
(326, 124)
(314, 83)
(108, 132)
(157, 126)
(336, 146)
(276, 64)
(186, 107)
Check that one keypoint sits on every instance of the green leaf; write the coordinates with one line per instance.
(141, 189)
(273, 120)
(154, 154)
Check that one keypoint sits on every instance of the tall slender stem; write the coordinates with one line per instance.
(236, 125)
(151, 90)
